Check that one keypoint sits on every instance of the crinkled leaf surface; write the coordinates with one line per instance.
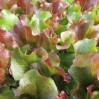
(49, 49)
(37, 86)
(86, 66)
(20, 63)
(38, 21)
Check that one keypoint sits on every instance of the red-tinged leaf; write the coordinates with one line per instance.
(91, 61)
(4, 57)
(62, 47)
(2, 46)
(52, 59)
(26, 6)
(7, 39)
(53, 40)
(80, 28)
(24, 32)
(95, 66)
(18, 31)
(57, 7)
(61, 72)
(53, 62)
(88, 63)
(29, 36)
(55, 59)
(93, 33)
(49, 33)
(98, 74)
(2, 76)
(47, 38)
(42, 53)
(46, 68)
(49, 63)
(84, 72)
(58, 70)
(62, 95)
(53, 22)
(6, 4)
(46, 6)
(86, 4)
(89, 89)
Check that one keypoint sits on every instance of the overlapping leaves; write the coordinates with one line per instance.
(46, 43)
(87, 67)
(32, 82)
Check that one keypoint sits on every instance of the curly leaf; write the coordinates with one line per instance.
(38, 21)
(20, 63)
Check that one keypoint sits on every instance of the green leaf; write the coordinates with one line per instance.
(25, 48)
(55, 59)
(96, 95)
(60, 28)
(38, 21)
(37, 86)
(20, 63)
(18, 68)
(67, 59)
(8, 20)
(74, 8)
(44, 15)
(84, 72)
(91, 15)
(74, 16)
(6, 93)
(70, 1)
(85, 46)
(65, 36)
(74, 12)
(84, 77)
(64, 21)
